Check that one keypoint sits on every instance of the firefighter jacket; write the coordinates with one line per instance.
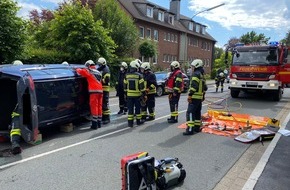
(150, 82)
(93, 78)
(120, 82)
(105, 71)
(175, 82)
(197, 85)
(220, 75)
(134, 84)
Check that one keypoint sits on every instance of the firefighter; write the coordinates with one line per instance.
(105, 71)
(150, 85)
(195, 97)
(174, 87)
(135, 91)
(15, 132)
(220, 79)
(95, 88)
(120, 88)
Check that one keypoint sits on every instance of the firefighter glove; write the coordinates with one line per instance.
(189, 99)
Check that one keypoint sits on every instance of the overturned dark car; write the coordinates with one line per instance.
(46, 95)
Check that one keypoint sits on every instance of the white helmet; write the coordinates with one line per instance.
(197, 63)
(124, 64)
(102, 61)
(175, 64)
(17, 62)
(64, 63)
(145, 66)
(221, 74)
(139, 61)
(134, 64)
(89, 63)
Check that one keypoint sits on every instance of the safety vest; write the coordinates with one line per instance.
(172, 80)
(134, 84)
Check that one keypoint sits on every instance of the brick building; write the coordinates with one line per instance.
(178, 37)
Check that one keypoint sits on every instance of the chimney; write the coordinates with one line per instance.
(175, 8)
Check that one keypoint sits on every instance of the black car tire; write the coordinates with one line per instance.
(159, 91)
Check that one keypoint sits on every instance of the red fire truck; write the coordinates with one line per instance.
(259, 68)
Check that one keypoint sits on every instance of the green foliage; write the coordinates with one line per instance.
(123, 30)
(252, 37)
(12, 31)
(43, 56)
(218, 52)
(286, 40)
(74, 31)
(148, 48)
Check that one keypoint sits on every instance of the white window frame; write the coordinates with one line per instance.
(141, 34)
(148, 36)
(190, 26)
(171, 19)
(149, 11)
(156, 35)
(161, 16)
(197, 28)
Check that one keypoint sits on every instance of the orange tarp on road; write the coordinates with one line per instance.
(231, 124)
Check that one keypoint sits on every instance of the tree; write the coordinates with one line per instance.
(253, 37)
(12, 31)
(286, 40)
(147, 49)
(218, 52)
(74, 31)
(233, 41)
(123, 31)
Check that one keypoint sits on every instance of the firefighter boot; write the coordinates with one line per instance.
(94, 125)
(188, 131)
(15, 141)
(106, 119)
(172, 120)
(140, 121)
(99, 124)
(196, 129)
(130, 123)
(121, 111)
(216, 90)
(125, 111)
(150, 118)
(222, 90)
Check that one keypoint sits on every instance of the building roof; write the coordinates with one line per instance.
(131, 7)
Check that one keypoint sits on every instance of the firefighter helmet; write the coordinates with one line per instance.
(134, 64)
(145, 66)
(197, 63)
(124, 64)
(17, 62)
(65, 63)
(221, 74)
(89, 63)
(102, 61)
(175, 64)
(139, 61)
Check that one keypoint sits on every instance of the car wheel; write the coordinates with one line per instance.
(159, 91)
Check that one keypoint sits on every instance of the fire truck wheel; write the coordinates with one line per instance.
(277, 95)
(235, 93)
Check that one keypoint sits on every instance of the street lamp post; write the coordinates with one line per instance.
(209, 9)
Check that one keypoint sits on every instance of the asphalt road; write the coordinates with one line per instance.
(87, 159)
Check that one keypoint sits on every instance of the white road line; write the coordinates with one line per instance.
(75, 144)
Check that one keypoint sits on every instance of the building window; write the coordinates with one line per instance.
(168, 37)
(161, 16)
(171, 19)
(208, 46)
(148, 33)
(190, 26)
(168, 58)
(150, 12)
(195, 42)
(197, 28)
(172, 37)
(156, 35)
(164, 58)
(141, 33)
(165, 36)
(175, 38)
(203, 30)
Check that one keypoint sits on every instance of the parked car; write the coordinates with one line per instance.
(161, 78)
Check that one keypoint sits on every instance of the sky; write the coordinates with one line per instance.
(233, 19)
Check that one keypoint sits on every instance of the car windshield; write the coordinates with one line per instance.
(257, 57)
(160, 76)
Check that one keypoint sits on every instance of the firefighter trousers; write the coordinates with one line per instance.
(150, 105)
(122, 101)
(134, 108)
(105, 107)
(96, 103)
(219, 82)
(193, 115)
(173, 103)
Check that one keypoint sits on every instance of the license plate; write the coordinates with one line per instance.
(251, 83)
